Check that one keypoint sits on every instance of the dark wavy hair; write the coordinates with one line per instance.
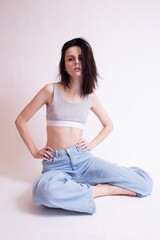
(89, 69)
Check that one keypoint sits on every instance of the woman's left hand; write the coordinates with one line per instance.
(83, 144)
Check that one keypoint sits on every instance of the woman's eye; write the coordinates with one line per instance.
(69, 59)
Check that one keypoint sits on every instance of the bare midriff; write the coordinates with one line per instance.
(59, 137)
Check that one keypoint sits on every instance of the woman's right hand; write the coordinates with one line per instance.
(44, 153)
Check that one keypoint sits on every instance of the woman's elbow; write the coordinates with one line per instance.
(19, 121)
(109, 125)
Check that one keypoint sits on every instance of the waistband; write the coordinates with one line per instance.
(65, 123)
(70, 150)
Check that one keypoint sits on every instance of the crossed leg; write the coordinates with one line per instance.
(103, 189)
(106, 179)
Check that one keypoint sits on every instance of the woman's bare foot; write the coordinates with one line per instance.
(104, 189)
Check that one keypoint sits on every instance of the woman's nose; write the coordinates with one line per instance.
(77, 61)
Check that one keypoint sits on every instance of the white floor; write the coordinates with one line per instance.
(116, 217)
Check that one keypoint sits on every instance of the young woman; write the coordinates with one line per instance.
(72, 176)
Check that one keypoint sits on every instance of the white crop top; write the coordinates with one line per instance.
(63, 113)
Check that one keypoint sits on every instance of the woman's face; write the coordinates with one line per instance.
(73, 61)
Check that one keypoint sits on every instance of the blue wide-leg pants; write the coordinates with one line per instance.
(66, 180)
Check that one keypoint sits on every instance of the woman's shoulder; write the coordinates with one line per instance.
(48, 86)
(48, 92)
(93, 96)
(93, 99)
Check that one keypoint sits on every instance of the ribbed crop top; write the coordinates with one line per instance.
(63, 113)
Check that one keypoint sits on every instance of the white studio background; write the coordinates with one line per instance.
(124, 36)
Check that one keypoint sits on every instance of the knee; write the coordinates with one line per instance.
(147, 186)
(41, 192)
(45, 189)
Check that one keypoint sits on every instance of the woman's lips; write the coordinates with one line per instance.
(77, 69)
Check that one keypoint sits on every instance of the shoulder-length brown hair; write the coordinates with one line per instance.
(89, 69)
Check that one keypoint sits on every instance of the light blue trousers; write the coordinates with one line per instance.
(66, 180)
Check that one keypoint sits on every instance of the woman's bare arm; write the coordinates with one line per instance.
(36, 103)
(98, 109)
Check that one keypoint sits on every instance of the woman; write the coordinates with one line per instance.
(72, 177)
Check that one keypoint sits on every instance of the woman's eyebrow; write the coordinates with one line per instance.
(73, 55)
